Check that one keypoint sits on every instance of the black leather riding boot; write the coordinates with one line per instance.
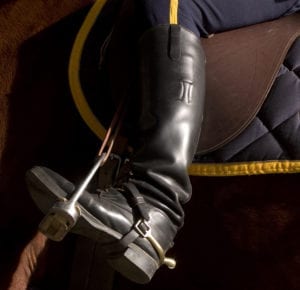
(137, 221)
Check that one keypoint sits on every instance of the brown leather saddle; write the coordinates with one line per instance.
(241, 67)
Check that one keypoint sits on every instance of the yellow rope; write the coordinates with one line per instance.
(74, 69)
(74, 65)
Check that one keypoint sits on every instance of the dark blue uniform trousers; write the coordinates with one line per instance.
(204, 17)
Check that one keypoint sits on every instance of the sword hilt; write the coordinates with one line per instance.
(63, 215)
(59, 220)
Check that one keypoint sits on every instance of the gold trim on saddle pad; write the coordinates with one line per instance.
(244, 168)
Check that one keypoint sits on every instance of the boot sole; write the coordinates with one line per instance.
(135, 264)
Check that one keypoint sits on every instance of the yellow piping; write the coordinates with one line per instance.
(174, 11)
(74, 69)
(244, 168)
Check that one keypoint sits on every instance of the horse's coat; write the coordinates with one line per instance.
(33, 88)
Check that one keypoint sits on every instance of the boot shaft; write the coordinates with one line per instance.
(172, 88)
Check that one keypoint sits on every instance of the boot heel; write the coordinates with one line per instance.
(136, 265)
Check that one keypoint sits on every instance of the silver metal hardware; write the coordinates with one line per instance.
(146, 233)
(59, 220)
(140, 230)
(63, 215)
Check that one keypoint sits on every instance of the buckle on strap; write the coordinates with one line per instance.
(144, 229)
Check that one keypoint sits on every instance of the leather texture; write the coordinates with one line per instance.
(171, 91)
(172, 95)
(274, 132)
(242, 66)
(171, 64)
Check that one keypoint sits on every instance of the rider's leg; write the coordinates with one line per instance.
(171, 82)
(136, 223)
(205, 17)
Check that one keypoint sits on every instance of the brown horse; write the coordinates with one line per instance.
(37, 117)
(240, 233)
